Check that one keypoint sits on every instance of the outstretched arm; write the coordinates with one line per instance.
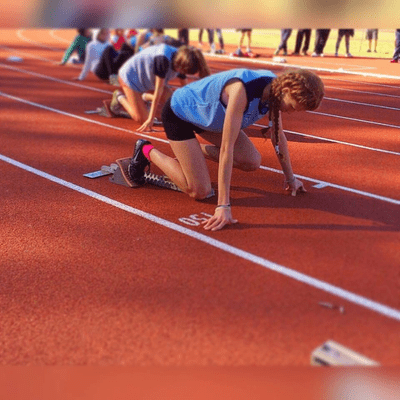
(159, 88)
(237, 101)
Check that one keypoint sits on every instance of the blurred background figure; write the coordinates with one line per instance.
(78, 46)
(396, 54)
(243, 33)
(94, 50)
(321, 37)
(118, 38)
(111, 59)
(285, 34)
(302, 34)
(372, 35)
(183, 36)
(347, 33)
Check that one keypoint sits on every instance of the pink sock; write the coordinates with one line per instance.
(146, 150)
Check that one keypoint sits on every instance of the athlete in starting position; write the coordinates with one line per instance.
(144, 78)
(217, 108)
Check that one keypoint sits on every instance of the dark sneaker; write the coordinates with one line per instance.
(138, 163)
(115, 107)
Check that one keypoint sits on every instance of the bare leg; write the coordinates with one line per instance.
(133, 104)
(249, 40)
(189, 171)
(245, 156)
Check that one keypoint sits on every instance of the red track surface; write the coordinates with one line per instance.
(122, 279)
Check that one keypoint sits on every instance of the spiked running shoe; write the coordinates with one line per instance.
(138, 163)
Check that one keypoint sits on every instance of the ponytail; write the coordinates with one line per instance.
(305, 87)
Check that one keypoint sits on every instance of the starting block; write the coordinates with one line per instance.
(120, 176)
(334, 354)
(105, 111)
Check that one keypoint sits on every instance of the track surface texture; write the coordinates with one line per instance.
(94, 273)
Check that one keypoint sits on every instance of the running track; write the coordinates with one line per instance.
(93, 273)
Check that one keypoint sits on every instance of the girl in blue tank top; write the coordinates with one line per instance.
(217, 108)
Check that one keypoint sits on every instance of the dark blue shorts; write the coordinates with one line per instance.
(175, 128)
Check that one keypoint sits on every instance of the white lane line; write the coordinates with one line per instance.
(25, 54)
(362, 104)
(344, 188)
(34, 42)
(298, 276)
(355, 119)
(54, 35)
(79, 117)
(326, 77)
(395, 153)
(363, 91)
(310, 67)
(54, 79)
(339, 187)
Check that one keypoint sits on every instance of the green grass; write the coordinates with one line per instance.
(270, 38)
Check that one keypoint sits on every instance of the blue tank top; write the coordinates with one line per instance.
(200, 102)
(139, 72)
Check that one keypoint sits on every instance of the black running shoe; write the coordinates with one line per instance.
(138, 163)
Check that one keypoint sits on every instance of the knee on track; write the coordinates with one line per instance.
(199, 192)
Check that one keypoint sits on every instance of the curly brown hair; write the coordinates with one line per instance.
(305, 87)
(190, 60)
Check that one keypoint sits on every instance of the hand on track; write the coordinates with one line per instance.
(295, 186)
(221, 217)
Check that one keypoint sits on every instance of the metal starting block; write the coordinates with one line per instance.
(120, 176)
(334, 354)
(105, 111)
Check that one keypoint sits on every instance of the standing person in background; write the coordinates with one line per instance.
(210, 34)
(94, 50)
(372, 34)
(285, 34)
(78, 45)
(396, 54)
(347, 33)
(221, 49)
(306, 34)
(244, 33)
(183, 36)
(321, 37)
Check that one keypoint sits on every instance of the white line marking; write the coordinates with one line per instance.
(285, 65)
(320, 185)
(337, 141)
(26, 55)
(298, 276)
(54, 79)
(34, 42)
(339, 187)
(79, 117)
(360, 83)
(365, 194)
(362, 104)
(53, 34)
(363, 91)
(355, 119)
